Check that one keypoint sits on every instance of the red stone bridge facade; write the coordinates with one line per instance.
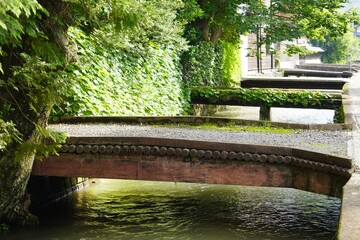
(174, 160)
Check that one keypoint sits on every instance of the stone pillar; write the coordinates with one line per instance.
(265, 113)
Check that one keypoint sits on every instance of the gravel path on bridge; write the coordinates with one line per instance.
(331, 142)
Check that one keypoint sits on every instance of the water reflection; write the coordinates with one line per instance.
(286, 115)
(114, 209)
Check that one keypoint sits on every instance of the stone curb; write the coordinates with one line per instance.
(194, 119)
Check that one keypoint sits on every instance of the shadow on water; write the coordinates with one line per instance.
(116, 209)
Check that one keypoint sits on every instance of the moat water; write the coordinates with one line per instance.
(118, 209)
(285, 115)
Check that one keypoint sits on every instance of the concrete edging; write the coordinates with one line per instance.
(348, 125)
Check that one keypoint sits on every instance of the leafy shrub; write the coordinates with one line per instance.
(265, 97)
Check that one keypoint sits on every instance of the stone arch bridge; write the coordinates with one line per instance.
(161, 159)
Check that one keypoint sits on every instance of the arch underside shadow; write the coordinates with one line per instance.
(198, 162)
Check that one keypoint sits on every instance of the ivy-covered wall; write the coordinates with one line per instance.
(212, 64)
(121, 82)
(147, 65)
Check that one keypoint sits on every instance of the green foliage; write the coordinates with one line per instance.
(53, 141)
(231, 63)
(128, 53)
(124, 81)
(190, 11)
(4, 228)
(41, 81)
(8, 135)
(29, 85)
(327, 19)
(17, 18)
(340, 50)
(314, 19)
(265, 97)
(280, 20)
(208, 64)
(132, 24)
(340, 115)
(292, 49)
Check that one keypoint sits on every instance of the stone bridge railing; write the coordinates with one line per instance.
(199, 162)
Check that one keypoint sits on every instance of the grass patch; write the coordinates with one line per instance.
(318, 145)
(229, 127)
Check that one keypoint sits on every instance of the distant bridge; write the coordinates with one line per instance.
(333, 87)
(161, 159)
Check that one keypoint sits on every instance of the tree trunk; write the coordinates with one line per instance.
(14, 176)
(15, 169)
(13, 199)
(206, 30)
(215, 35)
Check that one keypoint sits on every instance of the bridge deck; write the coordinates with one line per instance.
(293, 82)
(316, 73)
(333, 142)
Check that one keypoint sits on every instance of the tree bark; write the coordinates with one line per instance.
(205, 30)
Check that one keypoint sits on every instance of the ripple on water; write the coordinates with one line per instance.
(113, 209)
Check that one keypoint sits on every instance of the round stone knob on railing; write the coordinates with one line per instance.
(163, 151)
(87, 148)
(208, 154)
(232, 155)
(193, 153)
(271, 158)
(200, 154)
(79, 149)
(102, 149)
(94, 148)
(147, 150)
(132, 149)
(117, 149)
(155, 150)
(240, 156)
(215, 154)
(224, 154)
(64, 148)
(185, 152)
(72, 148)
(139, 149)
(286, 160)
(125, 149)
(109, 149)
(178, 152)
(263, 158)
(247, 157)
(278, 159)
(170, 151)
(255, 157)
